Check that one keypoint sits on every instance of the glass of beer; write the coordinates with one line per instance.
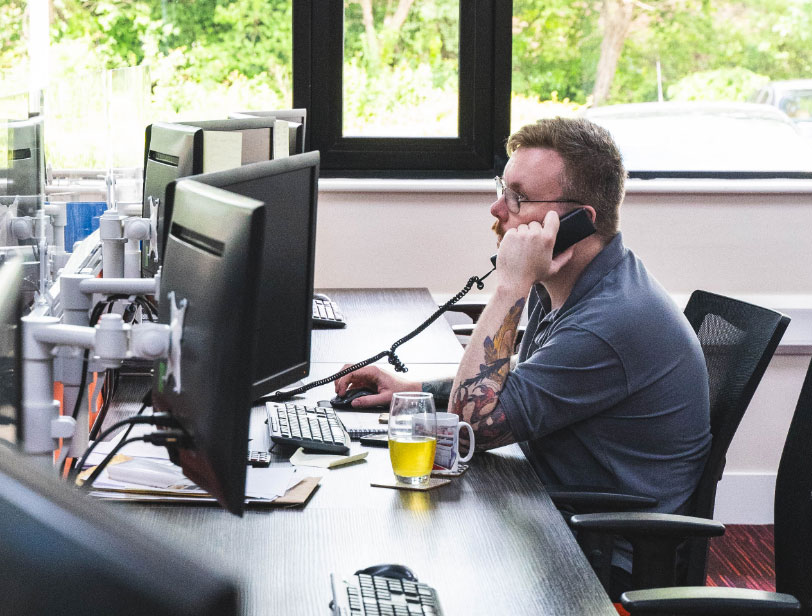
(412, 436)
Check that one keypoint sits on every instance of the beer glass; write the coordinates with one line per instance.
(412, 436)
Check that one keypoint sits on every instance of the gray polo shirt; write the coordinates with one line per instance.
(611, 390)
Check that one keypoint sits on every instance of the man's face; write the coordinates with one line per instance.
(531, 173)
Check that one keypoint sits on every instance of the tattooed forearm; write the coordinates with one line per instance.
(441, 388)
(476, 398)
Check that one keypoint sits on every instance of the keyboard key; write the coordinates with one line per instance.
(312, 428)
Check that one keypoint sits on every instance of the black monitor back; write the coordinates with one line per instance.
(213, 262)
(25, 172)
(173, 151)
(11, 276)
(62, 553)
(298, 124)
(289, 189)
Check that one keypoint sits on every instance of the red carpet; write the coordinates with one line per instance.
(743, 557)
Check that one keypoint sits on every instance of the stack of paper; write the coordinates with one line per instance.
(146, 473)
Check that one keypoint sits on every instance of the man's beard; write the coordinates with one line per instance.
(500, 232)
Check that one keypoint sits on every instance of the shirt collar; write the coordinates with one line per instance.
(597, 269)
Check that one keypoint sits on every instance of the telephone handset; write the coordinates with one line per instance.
(572, 228)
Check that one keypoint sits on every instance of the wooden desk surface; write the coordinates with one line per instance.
(376, 318)
(491, 542)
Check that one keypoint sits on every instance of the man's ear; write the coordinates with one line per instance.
(592, 213)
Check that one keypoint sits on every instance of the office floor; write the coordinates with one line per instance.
(743, 557)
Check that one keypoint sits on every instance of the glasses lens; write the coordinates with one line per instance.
(512, 201)
(511, 198)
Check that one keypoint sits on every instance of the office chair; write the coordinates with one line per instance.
(793, 542)
(738, 340)
(473, 310)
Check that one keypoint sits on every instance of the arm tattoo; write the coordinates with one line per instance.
(479, 395)
(441, 388)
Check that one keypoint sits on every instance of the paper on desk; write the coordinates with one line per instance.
(322, 460)
(269, 483)
(260, 483)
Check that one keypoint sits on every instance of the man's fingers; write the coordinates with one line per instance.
(372, 400)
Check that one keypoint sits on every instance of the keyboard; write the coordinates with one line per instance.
(326, 313)
(313, 428)
(364, 595)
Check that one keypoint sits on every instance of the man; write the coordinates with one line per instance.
(610, 387)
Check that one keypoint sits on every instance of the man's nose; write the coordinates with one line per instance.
(499, 209)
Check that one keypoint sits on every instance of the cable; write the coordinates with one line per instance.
(100, 467)
(163, 420)
(83, 381)
(393, 358)
(130, 427)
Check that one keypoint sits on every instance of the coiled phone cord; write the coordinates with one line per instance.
(279, 396)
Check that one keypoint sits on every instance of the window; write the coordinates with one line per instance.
(432, 88)
(326, 50)
(672, 81)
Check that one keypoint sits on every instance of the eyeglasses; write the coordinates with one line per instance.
(514, 200)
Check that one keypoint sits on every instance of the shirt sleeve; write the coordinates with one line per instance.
(573, 376)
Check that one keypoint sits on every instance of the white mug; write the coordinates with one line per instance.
(447, 454)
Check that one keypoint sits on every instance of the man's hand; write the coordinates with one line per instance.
(372, 377)
(526, 254)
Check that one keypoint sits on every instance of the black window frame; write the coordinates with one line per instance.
(484, 98)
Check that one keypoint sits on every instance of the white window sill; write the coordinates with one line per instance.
(633, 186)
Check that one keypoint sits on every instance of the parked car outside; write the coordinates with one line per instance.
(793, 97)
(703, 137)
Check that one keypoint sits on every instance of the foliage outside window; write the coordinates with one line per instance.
(206, 58)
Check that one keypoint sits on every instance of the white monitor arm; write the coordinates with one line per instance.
(112, 341)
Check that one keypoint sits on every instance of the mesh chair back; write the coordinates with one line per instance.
(793, 504)
(738, 340)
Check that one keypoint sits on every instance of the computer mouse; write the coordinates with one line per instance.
(399, 572)
(345, 401)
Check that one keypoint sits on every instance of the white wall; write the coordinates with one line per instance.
(748, 239)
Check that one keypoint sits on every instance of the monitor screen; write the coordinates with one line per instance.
(213, 265)
(289, 189)
(63, 553)
(178, 150)
(23, 175)
(10, 358)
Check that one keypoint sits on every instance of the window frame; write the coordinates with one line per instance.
(484, 98)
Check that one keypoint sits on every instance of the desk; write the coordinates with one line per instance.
(491, 542)
(376, 318)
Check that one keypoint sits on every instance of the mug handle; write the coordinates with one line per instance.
(470, 441)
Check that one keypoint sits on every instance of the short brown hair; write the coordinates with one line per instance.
(593, 168)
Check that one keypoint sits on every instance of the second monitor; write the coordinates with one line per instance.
(289, 189)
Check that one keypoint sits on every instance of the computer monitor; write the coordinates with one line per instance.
(178, 150)
(63, 553)
(296, 117)
(172, 151)
(23, 178)
(213, 264)
(11, 308)
(289, 189)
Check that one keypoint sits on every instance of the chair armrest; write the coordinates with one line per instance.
(708, 600)
(648, 524)
(466, 329)
(470, 309)
(655, 539)
(588, 499)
